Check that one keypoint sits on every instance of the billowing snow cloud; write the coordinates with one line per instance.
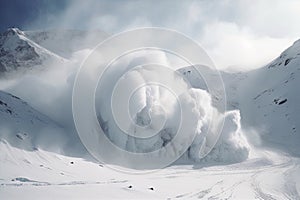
(143, 108)
(137, 114)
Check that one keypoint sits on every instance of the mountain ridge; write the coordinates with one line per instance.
(267, 98)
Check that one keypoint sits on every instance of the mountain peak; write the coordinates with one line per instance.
(18, 51)
(297, 42)
(13, 31)
(292, 53)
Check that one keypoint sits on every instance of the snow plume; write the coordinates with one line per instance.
(142, 108)
(48, 88)
(136, 113)
(232, 145)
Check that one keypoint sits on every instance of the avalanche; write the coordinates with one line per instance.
(256, 154)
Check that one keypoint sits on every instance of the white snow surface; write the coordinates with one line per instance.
(41, 174)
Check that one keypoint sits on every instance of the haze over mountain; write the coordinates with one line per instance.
(37, 135)
(267, 97)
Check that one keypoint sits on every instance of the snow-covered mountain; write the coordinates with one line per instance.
(268, 99)
(19, 52)
(24, 50)
(65, 42)
(35, 149)
(24, 127)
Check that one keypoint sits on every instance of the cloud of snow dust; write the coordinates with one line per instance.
(136, 113)
(139, 115)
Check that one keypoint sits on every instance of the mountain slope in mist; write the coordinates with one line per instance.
(66, 42)
(268, 99)
(36, 149)
(26, 128)
(24, 50)
(19, 52)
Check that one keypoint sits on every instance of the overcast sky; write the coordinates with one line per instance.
(240, 34)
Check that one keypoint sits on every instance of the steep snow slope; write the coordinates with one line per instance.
(17, 51)
(69, 40)
(268, 99)
(26, 128)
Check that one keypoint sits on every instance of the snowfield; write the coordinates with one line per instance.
(42, 157)
(35, 174)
